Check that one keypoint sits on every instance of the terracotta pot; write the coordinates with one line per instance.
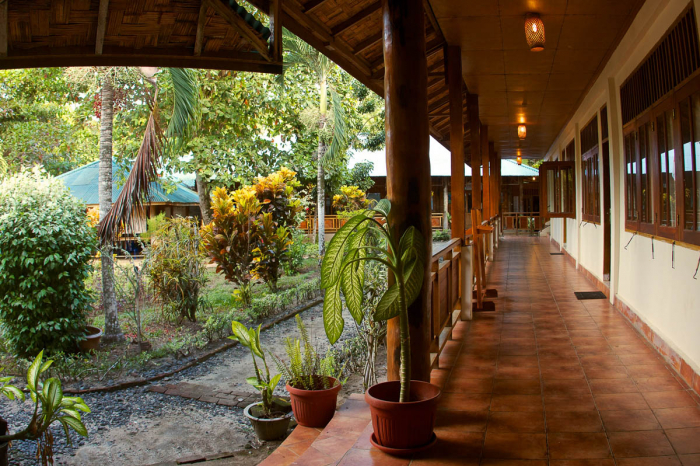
(403, 426)
(267, 429)
(314, 408)
(92, 341)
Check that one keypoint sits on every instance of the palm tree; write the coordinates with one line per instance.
(117, 216)
(299, 53)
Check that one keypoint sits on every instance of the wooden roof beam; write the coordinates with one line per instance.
(367, 43)
(201, 22)
(313, 5)
(101, 25)
(239, 24)
(3, 27)
(356, 18)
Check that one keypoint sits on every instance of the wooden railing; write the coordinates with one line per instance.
(333, 223)
(522, 221)
(446, 292)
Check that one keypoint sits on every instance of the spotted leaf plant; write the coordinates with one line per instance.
(342, 272)
(50, 405)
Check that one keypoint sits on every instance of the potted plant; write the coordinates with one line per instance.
(50, 405)
(403, 412)
(269, 417)
(93, 335)
(313, 383)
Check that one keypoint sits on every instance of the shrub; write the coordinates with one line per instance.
(351, 198)
(175, 265)
(248, 236)
(442, 235)
(296, 252)
(45, 249)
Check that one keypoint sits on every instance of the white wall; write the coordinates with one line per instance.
(667, 299)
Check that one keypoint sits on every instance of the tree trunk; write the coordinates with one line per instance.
(112, 331)
(203, 192)
(321, 176)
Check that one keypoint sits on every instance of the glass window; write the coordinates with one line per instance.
(630, 178)
(646, 215)
(667, 169)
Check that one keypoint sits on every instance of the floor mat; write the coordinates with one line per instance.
(590, 295)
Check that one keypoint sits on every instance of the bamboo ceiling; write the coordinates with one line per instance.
(511, 82)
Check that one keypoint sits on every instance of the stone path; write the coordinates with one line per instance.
(207, 394)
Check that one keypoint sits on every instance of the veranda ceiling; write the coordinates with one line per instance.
(544, 88)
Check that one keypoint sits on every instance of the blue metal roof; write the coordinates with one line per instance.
(83, 184)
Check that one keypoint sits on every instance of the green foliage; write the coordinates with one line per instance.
(306, 369)
(50, 406)
(442, 235)
(175, 264)
(343, 270)
(360, 175)
(272, 303)
(263, 381)
(43, 120)
(351, 198)
(153, 224)
(296, 252)
(46, 246)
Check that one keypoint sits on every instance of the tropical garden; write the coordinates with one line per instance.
(82, 319)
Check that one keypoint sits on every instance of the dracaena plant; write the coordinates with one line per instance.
(50, 405)
(342, 271)
(250, 338)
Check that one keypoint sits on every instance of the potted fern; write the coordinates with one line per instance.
(269, 417)
(313, 382)
(403, 412)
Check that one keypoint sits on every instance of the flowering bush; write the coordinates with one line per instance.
(248, 236)
(350, 199)
(46, 244)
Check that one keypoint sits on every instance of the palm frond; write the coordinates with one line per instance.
(137, 188)
(186, 100)
(336, 151)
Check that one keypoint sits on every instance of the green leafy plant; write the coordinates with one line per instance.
(342, 269)
(272, 250)
(175, 264)
(153, 224)
(306, 369)
(46, 246)
(50, 405)
(441, 235)
(263, 381)
(297, 251)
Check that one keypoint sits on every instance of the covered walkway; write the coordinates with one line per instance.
(546, 377)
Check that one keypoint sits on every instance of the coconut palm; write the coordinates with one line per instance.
(118, 216)
(332, 141)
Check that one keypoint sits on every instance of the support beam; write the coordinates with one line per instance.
(408, 164)
(454, 83)
(276, 28)
(201, 22)
(3, 27)
(475, 140)
(356, 18)
(367, 43)
(485, 177)
(101, 25)
(312, 5)
(494, 168)
(239, 24)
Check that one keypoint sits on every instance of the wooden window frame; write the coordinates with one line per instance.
(570, 201)
(670, 103)
(590, 176)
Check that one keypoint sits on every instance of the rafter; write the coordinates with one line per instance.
(240, 25)
(3, 27)
(356, 18)
(369, 42)
(312, 5)
(201, 22)
(276, 28)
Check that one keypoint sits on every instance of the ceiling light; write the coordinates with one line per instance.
(522, 131)
(534, 32)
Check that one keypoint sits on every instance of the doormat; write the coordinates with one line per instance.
(590, 295)
(556, 253)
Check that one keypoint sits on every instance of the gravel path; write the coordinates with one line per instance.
(138, 427)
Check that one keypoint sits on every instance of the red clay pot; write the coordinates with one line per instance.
(92, 339)
(314, 408)
(403, 426)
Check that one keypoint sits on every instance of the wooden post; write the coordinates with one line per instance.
(408, 163)
(475, 138)
(486, 183)
(276, 28)
(445, 203)
(454, 83)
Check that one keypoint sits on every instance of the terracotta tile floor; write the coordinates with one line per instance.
(546, 379)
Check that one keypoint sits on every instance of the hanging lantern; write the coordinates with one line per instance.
(534, 32)
(520, 160)
(522, 131)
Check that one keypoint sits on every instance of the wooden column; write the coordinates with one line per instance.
(445, 203)
(454, 83)
(474, 127)
(494, 169)
(408, 163)
(486, 180)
